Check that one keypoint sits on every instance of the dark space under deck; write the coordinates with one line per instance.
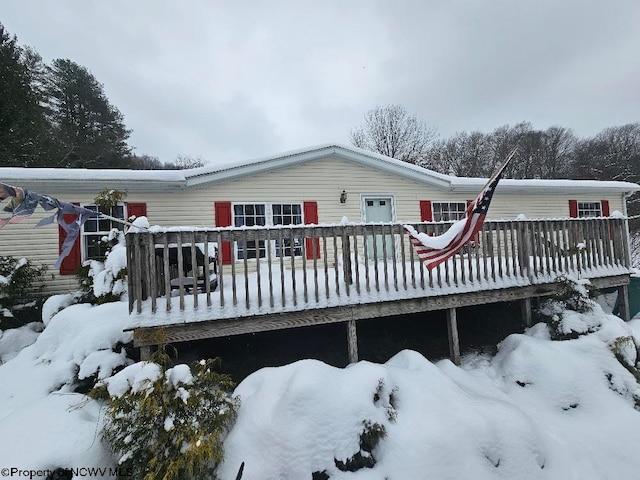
(451, 307)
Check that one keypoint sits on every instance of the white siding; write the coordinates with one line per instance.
(319, 180)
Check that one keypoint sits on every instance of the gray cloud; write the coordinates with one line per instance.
(235, 80)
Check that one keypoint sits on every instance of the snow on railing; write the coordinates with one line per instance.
(300, 267)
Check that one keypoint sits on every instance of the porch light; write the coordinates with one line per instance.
(343, 197)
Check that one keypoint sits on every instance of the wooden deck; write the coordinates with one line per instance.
(345, 273)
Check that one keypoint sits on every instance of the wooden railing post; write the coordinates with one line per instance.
(524, 248)
(132, 272)
(346, 258)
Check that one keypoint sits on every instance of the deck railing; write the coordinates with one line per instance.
(300, 267)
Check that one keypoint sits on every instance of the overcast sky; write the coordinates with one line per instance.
(236, 80)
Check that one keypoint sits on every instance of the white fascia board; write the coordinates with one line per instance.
(512, 186)
(379, 162)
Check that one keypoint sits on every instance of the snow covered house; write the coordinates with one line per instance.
(319, 185)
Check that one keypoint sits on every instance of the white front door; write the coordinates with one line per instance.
(379, 210)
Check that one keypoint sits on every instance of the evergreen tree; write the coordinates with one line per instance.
(24, 133)
(91, 131)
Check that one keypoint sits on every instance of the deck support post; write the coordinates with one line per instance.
(352, 341)
(452, 330)
(623, 302)
(525, 311)
(145, 353)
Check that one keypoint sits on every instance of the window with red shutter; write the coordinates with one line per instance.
(586, 209)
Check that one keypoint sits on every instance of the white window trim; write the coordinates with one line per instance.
(593, 202)
(448, 203)
(268, 214)
(83, 247)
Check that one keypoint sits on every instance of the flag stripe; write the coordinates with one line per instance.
(434, 257)
(475, 215)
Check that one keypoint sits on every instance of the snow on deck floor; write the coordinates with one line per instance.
(253, 295)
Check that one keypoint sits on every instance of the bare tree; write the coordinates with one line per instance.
(558, 146)
(613, 154)
(184, 162)
(463, 155)
(145, 162)
(634, 247)
(391, 131)
(541, 154)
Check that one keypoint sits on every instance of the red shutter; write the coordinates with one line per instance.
(223, 219)
(73, 261)
(312, 245)
(426, 212)
(573, 208)
(604, 205)
(136, 209)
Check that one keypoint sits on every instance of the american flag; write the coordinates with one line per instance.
(432, 251)
(24, 202)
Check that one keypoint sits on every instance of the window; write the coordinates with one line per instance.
(287, 214)
(448, 211)
(259, 214)
(250, 215)
(95, 229)
(589, 209)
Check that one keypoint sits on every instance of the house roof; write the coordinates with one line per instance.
(153, 180)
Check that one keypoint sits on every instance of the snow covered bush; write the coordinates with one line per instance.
(109, 198)
(167, 423)
(370, 436)
(562, 311)
(571, 314)
(19, 284)
(104, 282)
(626, 350)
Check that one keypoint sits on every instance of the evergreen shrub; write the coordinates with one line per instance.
(20, 285)
(171, 425)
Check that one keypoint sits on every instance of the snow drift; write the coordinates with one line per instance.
(539, 409)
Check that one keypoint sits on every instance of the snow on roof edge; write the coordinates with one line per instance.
(206, 174)
(71, 174)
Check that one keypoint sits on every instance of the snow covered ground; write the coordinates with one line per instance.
(539, 409)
